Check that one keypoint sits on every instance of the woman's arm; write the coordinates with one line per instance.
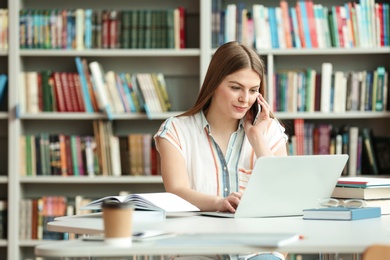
(175, 178)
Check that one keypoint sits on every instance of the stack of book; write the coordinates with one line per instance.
(374, 191)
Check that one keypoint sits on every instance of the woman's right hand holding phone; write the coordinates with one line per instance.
(256, 132)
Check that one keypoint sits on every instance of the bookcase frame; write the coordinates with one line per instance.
(195, 61)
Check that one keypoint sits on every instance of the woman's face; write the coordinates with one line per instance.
(236, 93)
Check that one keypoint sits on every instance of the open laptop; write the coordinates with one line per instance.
(285, 185)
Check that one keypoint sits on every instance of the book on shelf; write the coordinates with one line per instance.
(326, 81)
(100, 154)
(161, 89)
(340, 92)
(100, 88)
(377, 192)
(305, 25)
(93, 90)
(163, 201)
(84, 86)
(109, 29)
(324, 136)
(57, 154)
(3, 87)
(113, 92)
(89, 79)
(306, 90)
(58, 91)
(299, 134)
(102, 147)
(3, 219)
(146, 86)
(382, 153)
(36, 213)
(341, 213)
(369, 155)
(353, 151)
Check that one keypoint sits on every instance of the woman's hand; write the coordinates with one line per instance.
(264, 118)
(256, 133)
(229, 203)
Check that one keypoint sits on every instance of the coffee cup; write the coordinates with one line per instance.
(117, 219)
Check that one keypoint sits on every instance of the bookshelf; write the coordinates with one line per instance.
(184, 70)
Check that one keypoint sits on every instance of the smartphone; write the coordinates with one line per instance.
(255, 110)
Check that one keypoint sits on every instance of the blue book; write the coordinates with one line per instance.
(3, 86)
(341, 213)
(305, 23)
(127, 92)
(273, 27)
(296, 39)
(88, 28)
(386, 23)
(84, 86)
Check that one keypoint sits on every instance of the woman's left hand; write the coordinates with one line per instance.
(229, 203)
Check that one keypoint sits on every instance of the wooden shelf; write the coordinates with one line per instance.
(92, 180)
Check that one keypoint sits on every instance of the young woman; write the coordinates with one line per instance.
(208, 153)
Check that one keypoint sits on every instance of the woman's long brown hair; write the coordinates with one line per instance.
(228, 58)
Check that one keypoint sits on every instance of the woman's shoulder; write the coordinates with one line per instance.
(186, 122)
(179, 126)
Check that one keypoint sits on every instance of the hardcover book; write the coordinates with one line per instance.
(378, 192)
(341, 213)
(164, 201)
(363, 182)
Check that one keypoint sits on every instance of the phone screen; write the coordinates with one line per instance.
(255, 109)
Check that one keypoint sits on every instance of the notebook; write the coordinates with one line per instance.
(285, 185)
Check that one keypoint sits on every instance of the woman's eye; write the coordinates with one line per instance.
(254, 90)
(235, 88)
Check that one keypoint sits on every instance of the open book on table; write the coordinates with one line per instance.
(163, 201)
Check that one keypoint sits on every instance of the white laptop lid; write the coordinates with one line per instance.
(285, 185)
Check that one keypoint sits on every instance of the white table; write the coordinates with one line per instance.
(318, 236)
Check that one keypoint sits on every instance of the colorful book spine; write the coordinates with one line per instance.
(84, 86)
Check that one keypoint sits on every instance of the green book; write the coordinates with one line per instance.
(28, 155)
(46, 35)
(73, 146)
(141, 29)
(148, 29)
(45, 154)
(47, 96)
(126, 29)
(333, 27)
(163, 42)
(170, 29)
(369, 152)
(380, 89)
(134, 29)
